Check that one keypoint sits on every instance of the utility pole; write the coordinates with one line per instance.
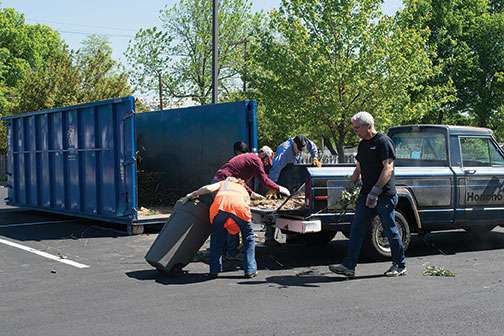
(215, 50)
(244, 42)
(160, 92)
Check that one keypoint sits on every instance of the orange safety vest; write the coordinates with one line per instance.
(233, 198)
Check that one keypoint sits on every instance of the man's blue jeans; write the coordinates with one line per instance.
(230, 248)
(385, 208)
(219, 237)
(233, 241)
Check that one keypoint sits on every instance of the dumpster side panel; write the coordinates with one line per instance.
(77, 160)
(181, 149)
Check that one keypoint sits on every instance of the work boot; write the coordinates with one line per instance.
(396, 270)
(250, 275)
(342, 270)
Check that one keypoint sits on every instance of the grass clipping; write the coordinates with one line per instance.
(296, 202)
(434, 271)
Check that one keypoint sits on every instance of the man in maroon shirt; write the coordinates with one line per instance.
(246, 166)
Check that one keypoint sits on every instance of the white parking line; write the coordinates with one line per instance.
(43, 254)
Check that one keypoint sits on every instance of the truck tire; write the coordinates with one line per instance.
(318, 238)
(376, 245)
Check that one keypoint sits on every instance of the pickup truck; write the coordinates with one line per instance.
(447, 177)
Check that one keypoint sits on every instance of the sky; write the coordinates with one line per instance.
(117, 19)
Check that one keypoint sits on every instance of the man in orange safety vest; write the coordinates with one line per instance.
(229, 212)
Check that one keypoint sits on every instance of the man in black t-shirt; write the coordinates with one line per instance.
(375, 167)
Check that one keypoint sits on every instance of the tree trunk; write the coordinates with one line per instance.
(440, 117)
(340, 142)
(328, 144)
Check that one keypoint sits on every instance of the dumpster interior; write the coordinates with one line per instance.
(179, 150)
(154, 199)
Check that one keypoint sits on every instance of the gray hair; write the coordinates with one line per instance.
(267, 150)
(363, 118)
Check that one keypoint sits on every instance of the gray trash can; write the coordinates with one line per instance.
(186, 230)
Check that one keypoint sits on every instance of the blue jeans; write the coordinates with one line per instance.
(230, 248)
(385, 208)
(219, 237)
(233, 241)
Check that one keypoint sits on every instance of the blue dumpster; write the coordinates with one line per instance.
(103, 161)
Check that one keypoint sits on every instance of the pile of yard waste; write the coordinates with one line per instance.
(151, 192)
(296, 202)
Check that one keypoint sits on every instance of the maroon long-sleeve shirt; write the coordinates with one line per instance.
(245, 166)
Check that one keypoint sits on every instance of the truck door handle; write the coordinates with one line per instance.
(472, 171)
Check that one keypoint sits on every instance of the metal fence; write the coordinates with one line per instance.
(327, 158)
(3, 167)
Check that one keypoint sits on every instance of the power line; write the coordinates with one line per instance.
(92, 33)
(80, 25)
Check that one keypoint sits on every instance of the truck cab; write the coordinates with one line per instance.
(447, 177)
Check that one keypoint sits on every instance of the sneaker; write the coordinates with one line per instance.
(213, 275)
(250, 275)
(342, 270)
(271, 243)
(396, 270)
(238, 257)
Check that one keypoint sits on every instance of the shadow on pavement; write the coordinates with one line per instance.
(47, 226)
(166, 279)
(290, 256)
(449, 243)
(306, 280)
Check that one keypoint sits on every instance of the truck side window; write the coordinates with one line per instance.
(421, 148)
(496, 156)
(475, 152)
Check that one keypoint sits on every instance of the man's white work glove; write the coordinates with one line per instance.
(256, 196)
(372, 197)
(188, 197)
(284, 191)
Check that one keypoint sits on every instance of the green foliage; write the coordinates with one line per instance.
(181, 51)
(469, 39)
(23, 49)
(349, 197)
(434, 271)
(148, 56)
(72, 78)
(318, 62)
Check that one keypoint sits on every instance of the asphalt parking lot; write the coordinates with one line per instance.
(98, 283)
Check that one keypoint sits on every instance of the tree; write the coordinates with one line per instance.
(23, 48)
(320, 61)
(73, 78)
(181, 51)
(148, 54)
(469, 39)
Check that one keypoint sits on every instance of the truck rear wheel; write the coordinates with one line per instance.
(376, 245)
(318, 238)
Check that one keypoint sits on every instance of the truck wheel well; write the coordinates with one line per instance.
(404, 207)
